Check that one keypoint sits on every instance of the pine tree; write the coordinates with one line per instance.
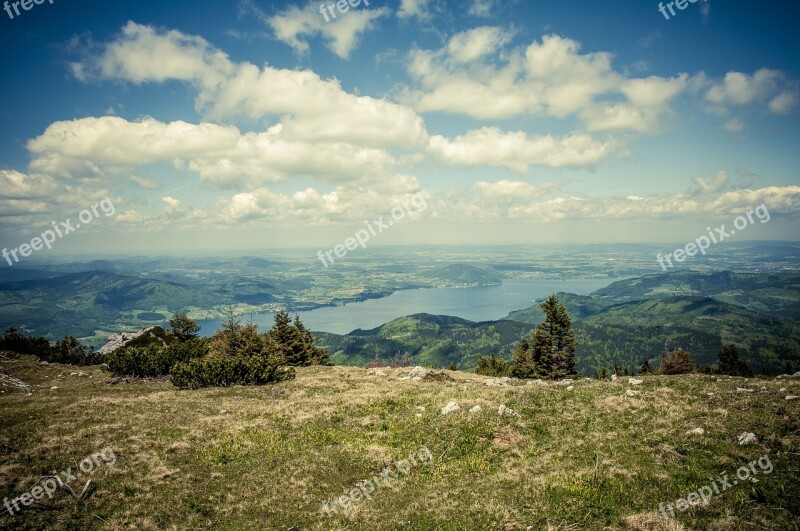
(314, 354)
(523, 365)
(646, 368)
(183, 328)
(553, 342)
(728, 362)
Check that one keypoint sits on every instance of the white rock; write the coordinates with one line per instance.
(792, 397)
(503, 410)
(743, 390)
(538, 382)
(418, 415)
(747, 438)
(570, 388)
(631, 393)
(782, 389)
(451, 407)
(763, 388)
(377, 372)
(421, 408)
(565, 381)
(54, 388)
(116, 341)
(497, 382)
(795, 375)
(418, 373)
(474, 409)
(634, 381)
(696, 431)
(613, 377)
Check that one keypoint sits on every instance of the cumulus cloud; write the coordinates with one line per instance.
(550, 77)
(414, 9)
(706, 185)
(515, 150)
(221, 155)
(310, 107)
(764, 86)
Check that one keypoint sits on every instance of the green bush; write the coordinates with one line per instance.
(68, 350)
(493, 366)
(154, 361)
(234, 370)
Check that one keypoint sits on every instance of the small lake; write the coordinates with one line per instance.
(482, 303)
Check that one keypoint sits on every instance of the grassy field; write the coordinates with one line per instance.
(269, 457)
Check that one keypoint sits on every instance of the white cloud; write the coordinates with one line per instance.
(734, 125)
(516, 151)
(738, 89)
(708, 185)
(482, 8)
(414, 8)
(295, 25)
(218, 154)
(551, 78)
(310, 108)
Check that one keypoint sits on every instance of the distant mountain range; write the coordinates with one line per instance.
(624, 323)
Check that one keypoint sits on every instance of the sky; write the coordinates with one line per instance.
(252, 125)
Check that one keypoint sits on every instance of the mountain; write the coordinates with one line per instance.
(48, 306)
(625, 323)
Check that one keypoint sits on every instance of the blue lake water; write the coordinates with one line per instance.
(483, 303)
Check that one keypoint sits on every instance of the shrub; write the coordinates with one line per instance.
(235, 370)
(492, 366)
(677, 362)
(153, 361)
(729, 362)
(68, 350)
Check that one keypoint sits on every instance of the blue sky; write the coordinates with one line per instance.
(253, 124)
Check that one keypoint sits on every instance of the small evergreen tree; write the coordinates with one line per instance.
(314, 354)
(523, 365)
(183, 328)
(646, 368)
(552, 343)
(453, 366)
(729, 363)
(676, 362)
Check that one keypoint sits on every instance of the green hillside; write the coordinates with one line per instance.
(613, 326)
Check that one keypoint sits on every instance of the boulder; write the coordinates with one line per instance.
(747, 438)
(451, 407)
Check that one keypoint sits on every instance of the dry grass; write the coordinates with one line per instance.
(269, 457)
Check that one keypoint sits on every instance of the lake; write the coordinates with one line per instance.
(482, 303)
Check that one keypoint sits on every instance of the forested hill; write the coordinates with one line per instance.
(623, 324)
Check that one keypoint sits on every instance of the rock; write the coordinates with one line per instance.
(631, 393)
(565, 381)
(782, 389)
(418, 415)
(419, 374)
(634, 381)
(795, 375)
(503, 410)
(747, 438)
(696, 431)
(538, 382)
(792, 397)
(420, 408)
(451, 407)
(613, 377)
(744, 390)
(377, 372)
(54, 388)
(496, 382)
(116, 341)
(570, 388)
(474, 409)
(763, 388)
